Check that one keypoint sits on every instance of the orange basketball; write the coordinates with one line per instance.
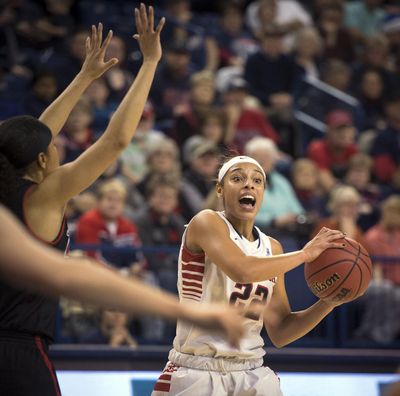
(340, 274)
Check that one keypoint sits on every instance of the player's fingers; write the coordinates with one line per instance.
(151, 19)
(87, 45)
(337, 245)
(94, 37)
(107, 41)
(109, 64)
(138, 22)
(160, 25)
(99, 34)
(143, 16)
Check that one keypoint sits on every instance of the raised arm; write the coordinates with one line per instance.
(70, 179)
(93, 67)
(39, 268)
(248, 269)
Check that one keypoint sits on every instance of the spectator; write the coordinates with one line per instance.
(371, 93)
(358, 175)
(234, 41)
(271, 61)
(363, 17)
(162, 159)
(106, 225)
(337, 41)
(134, 157)
(170, 90)
(244, 122)
(343, 204)
(77, 132)
(98, 95)
(307, 50)
(186, 27)
(43, 91)
(308, 189)
(114, 327)
(280, 207)
(201, 158)
(381, 319)
(119, 78)
(202, 97)
(385, 149)
(214, 128)
(375, 55)
(332, 153)
(289, 15)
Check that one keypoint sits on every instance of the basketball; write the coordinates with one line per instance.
(340, 274)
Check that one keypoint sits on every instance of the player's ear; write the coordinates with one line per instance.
(42, 160)
(219, 190)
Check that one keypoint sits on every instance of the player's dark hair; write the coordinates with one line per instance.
(225, 157)
(22, 139)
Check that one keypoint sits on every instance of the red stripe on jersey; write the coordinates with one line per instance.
(186, 283)
(192, 276)
(166, 377)
(162, 387)
(191, 298)
(186, 294)
(192, 290)
(187, 255)
(193, 267)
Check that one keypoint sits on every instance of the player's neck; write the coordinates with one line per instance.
(243, 227)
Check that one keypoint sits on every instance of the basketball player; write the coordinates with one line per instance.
(225, 258)
(38, 268)
(36, 189)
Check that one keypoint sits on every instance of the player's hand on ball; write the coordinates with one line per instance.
(323, 240)
(94, 65)
(147, 37)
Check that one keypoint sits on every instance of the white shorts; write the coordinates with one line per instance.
(189, 381)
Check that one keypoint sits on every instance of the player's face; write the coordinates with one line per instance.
(242, 191)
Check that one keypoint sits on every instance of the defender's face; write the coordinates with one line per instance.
(242, 191)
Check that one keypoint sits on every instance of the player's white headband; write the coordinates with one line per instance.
(238, 160)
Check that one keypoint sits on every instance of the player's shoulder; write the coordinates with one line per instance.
(276, 246)
(206, 219)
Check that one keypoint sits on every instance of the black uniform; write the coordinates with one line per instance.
(26, 328)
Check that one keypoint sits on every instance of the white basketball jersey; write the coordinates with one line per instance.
(199, 279)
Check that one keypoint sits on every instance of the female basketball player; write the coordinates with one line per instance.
(36, 189)
(225, 258)
(42, 269)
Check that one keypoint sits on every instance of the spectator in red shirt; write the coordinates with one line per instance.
(106, 225)
(333, 152)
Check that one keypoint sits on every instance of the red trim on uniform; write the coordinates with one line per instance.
(191, 298)
(166, 377)
(186, 283)
(187, 255)
(184, 294)
(192, 290)
(162, 387)
(48, 364)
(60, 232)
(192, 276)
(193, 267)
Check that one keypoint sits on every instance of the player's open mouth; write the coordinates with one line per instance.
(247, 202)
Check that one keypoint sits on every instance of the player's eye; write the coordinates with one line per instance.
(258, 180)
(236, 179)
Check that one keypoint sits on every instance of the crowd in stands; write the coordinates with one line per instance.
(311, 89)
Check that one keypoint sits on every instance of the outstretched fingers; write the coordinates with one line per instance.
(143, 16)
(107, 41)
(138, 22)
(151, 19)
(160, 25)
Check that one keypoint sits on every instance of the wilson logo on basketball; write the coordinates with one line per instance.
(319, 287)
(342, 294)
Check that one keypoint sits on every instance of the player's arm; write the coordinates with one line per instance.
(70, 179)
(207, 232)
(284, 326)
(39, 268)
(93, 67)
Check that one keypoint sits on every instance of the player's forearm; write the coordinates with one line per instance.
(57, 113)
(93, 284)
(298, 324)
(256, 269)
(124, 121)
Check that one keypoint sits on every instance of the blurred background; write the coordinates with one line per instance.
(311, 89)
